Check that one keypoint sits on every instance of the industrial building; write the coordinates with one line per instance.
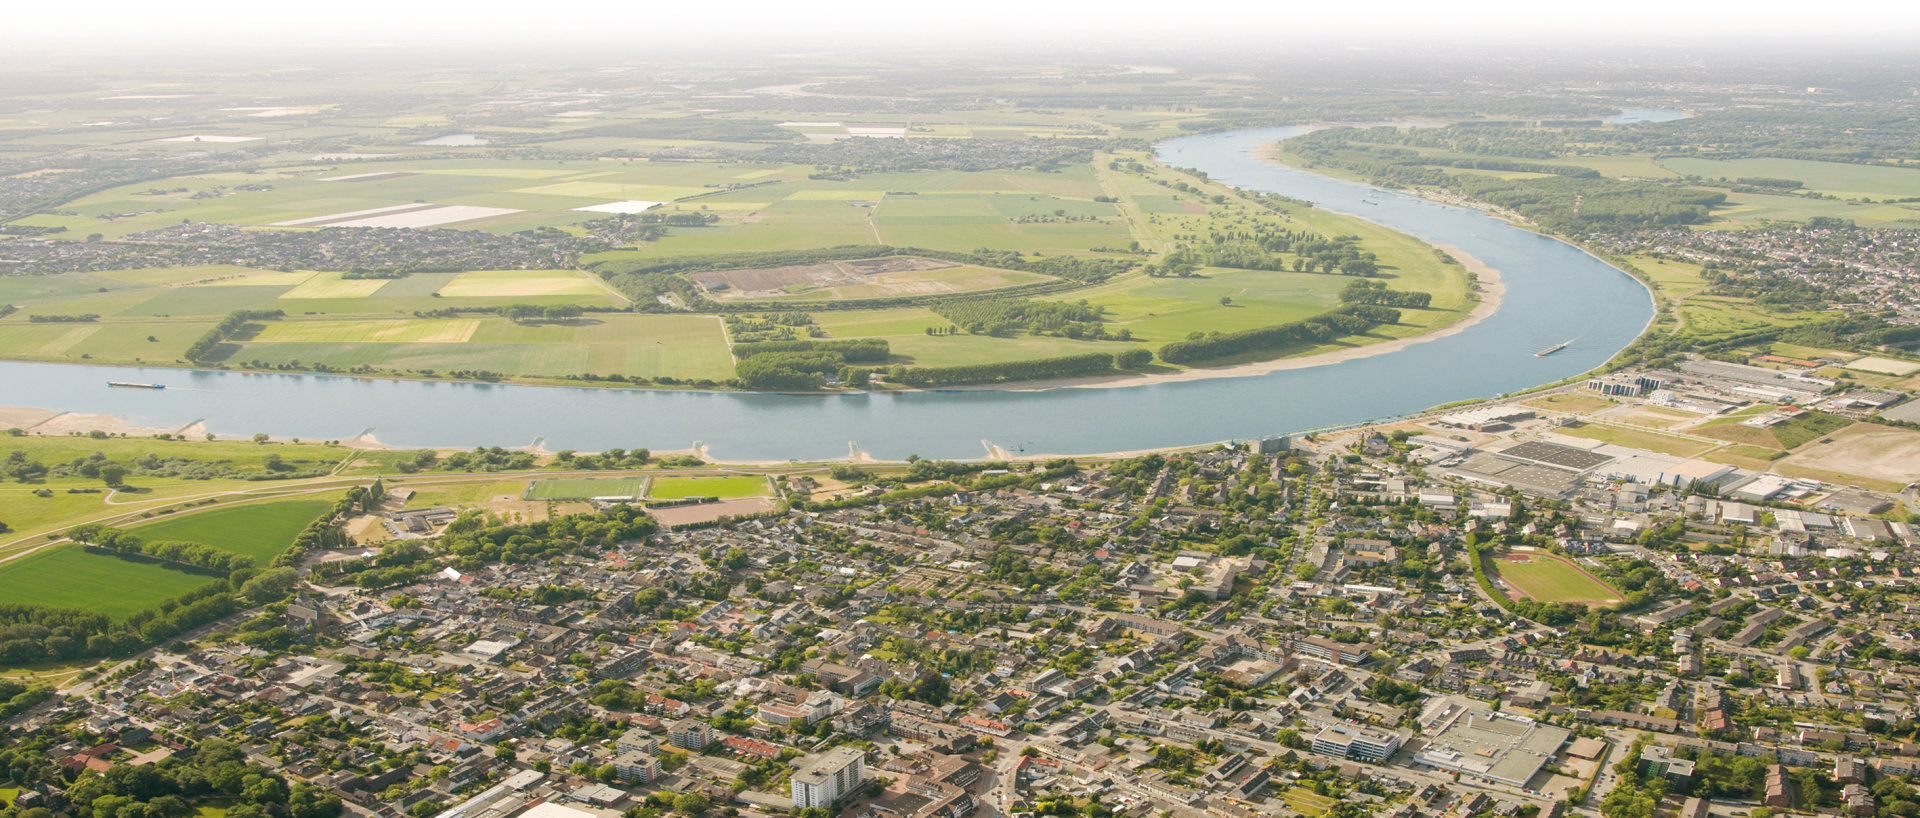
(1466, 738)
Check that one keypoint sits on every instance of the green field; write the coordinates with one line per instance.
(1842, 179)
(68, 576)
(586, 488)
(1665, 444)
(1789, 434)
(675, 488)
(1095, 204)
(257, 530)
(1550, 578)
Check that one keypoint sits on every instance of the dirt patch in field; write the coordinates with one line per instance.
(708, 512)
(894, 264)
(1877, 452)
(769, 281)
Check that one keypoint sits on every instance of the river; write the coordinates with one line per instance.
(1554, 292)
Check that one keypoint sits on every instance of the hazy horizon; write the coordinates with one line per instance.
(210, 28)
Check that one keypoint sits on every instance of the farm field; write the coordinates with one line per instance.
(433, 324)
(1551, 578)
(70, 576)
(1842, 179)
(586, 488)
(675, 488)
(257, 530)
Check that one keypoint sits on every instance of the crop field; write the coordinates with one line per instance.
(1748, 209)
(1551, 578)
(675, 488)
(517, 283)
(331, 285)
(585, 488)
(335, 323)
(402, 331)
(257, 530)
(682, 346)
(1842, 179)
(70, 576)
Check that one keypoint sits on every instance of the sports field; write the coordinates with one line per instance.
(1551, 578)
(675, 488)
(68, 576)
(257, 530)
(585, 488)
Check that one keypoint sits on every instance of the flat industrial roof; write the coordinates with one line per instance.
(1554, 454)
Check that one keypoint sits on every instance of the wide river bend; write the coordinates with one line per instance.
(1554, 292)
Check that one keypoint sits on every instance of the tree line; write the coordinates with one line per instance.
(1375, 292)
(1352, 319)
(208, 343)
(191, 554)
(1067, 366)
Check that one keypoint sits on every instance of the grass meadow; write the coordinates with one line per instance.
(70, 576)
(257, 530)
(675, 488)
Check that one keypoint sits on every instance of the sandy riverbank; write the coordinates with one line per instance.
(48, 422)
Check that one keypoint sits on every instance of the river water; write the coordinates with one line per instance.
(1554, 293)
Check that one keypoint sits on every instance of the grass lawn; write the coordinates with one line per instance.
(1679, 447)
(1550, 578)
(586, 488)
(68, 576)
(1579, 404)
(257, 530)
(675, 488)
(1307, 802)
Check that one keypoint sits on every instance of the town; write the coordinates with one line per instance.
(1459, 614)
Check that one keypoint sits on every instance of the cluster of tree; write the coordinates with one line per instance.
(1352, 319)
(611, 459)
(21, 467)
(204, 348)
(788, 370)
(375, 273)
(1771, 290)
(212, 773)
(475, 542)
(1375, 292)
(776, 327)
(326, 532)
(17, 696)
(481, 459)
(1066, 366)
(1005, 316)
(190, 554)
(86, 318)
(1580, 201)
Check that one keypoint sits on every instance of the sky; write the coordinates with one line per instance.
(125, 26)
